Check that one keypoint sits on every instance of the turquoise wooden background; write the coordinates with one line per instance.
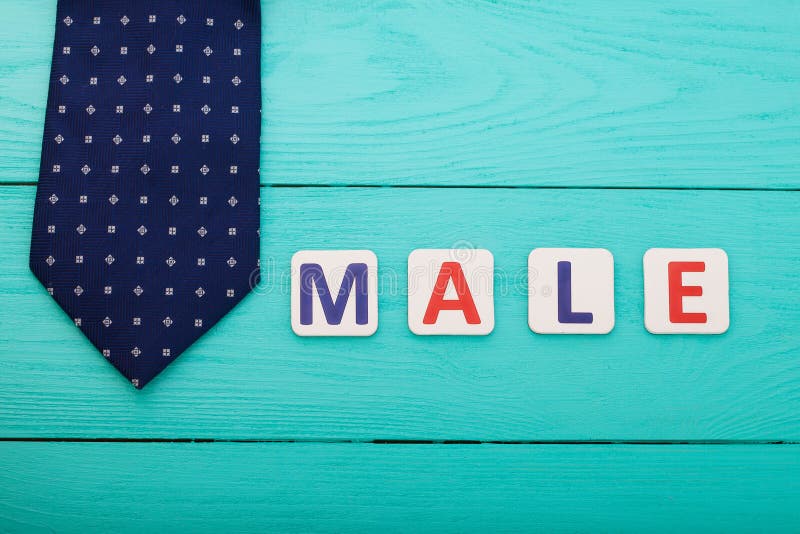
(505, 125)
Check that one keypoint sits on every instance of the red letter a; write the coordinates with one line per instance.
(451, 270)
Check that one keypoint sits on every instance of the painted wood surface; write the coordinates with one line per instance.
(630, 93)
(251, 377)
(521, 95)
(366, 488)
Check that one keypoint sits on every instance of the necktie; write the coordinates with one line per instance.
(146, 223)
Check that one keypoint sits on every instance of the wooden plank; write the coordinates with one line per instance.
(504, 93)
(251, 377)
(123, 487)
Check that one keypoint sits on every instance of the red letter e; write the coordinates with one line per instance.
(677, 291)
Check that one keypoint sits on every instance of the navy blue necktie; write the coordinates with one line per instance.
(146, 225)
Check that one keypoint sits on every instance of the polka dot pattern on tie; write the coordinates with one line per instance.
(146, 224)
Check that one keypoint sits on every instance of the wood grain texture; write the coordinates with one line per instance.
(251, 377)
(452, 93)
(455, 92)
(367, 488)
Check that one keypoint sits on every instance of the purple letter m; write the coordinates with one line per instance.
(311, 274)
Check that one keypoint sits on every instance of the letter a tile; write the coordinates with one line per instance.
(450, 292)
